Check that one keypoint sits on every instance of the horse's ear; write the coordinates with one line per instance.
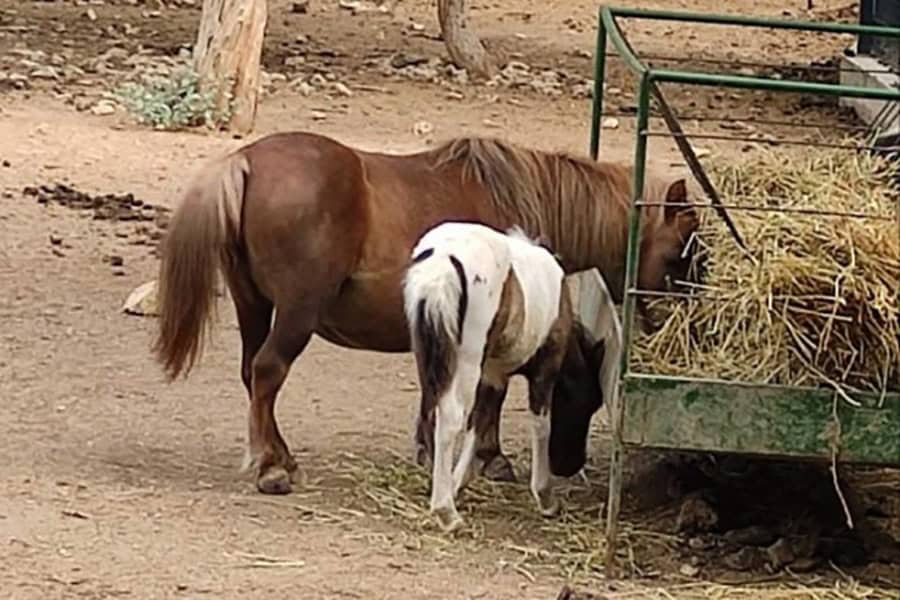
(676, 195)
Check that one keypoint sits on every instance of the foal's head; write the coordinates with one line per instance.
(576, 397)
(667, 248)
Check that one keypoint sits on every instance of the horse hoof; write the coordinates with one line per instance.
(499, 469)
(276, 480)
(549, 507)
(421, 457)
(448, 519)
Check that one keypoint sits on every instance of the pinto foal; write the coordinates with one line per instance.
(483, 306)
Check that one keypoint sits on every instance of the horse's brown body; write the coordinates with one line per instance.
(322, 233)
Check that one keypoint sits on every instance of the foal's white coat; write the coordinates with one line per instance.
(488, 258)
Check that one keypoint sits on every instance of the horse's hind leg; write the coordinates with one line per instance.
(486, 414)
(485, 419)
(267, 450)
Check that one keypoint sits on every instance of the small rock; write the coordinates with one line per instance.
(804, 565)
(342, 89)
(115, 260)
(294, 61)
(300, 7)
(348, 4)
(318, 80)
(696, 515)
(744, 559)
(421, 128)
(780, 553)
(55, 240)
(610, 123)
(401, 60)
(689, 570)
(45, 73)
(91, 14)
(702, 152)
(699, 543)
(6, 164)
(318, 115)
(750, 536)
(118, 272)
(142, 301)
(301, 86)
(103, 108)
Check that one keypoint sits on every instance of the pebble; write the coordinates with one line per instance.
(754, 535)
(780, 553)
(342, 89)
(422, 128)
(610, 123)
(696, 515)
(804, 565)
(103, 108)
(745, 559)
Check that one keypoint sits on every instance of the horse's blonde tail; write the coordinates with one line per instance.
(199, 238)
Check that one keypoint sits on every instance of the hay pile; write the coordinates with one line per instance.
(817, 303)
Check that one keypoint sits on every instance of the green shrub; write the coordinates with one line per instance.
(171, 101)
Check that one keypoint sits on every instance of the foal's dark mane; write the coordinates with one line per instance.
(579, 205)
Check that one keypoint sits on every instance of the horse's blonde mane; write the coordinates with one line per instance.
(579, 205)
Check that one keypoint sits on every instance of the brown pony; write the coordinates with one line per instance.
(320, 234)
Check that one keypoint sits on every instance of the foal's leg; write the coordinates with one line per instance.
(542, 374)
(540, 392)
(492, 463)
(449, 411)
(267, 450)
(449, 423)
(489, 405)
(470, 460)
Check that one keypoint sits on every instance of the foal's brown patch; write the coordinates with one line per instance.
(509, 319)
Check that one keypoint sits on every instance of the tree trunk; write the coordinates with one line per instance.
(463, 44)
(227, 57)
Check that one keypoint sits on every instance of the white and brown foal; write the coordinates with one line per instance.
(484, 306)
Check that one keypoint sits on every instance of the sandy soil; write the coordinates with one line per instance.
(117, 484)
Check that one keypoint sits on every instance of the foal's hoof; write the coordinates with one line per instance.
(448, 519)
(499, 469)
(421, 457)
(549, 508)
(276, 480)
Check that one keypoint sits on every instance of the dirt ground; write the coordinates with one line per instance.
(116, 484)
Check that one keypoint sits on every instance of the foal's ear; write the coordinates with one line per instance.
(675, 195)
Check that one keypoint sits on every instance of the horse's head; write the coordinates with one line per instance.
(576, 397)
(667, 248)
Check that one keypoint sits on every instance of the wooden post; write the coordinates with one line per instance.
(463, 44)
(227, 57)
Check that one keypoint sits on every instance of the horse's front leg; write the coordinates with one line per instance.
(540, 393)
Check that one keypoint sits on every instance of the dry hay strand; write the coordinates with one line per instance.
(817, 300)
(500, 517)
